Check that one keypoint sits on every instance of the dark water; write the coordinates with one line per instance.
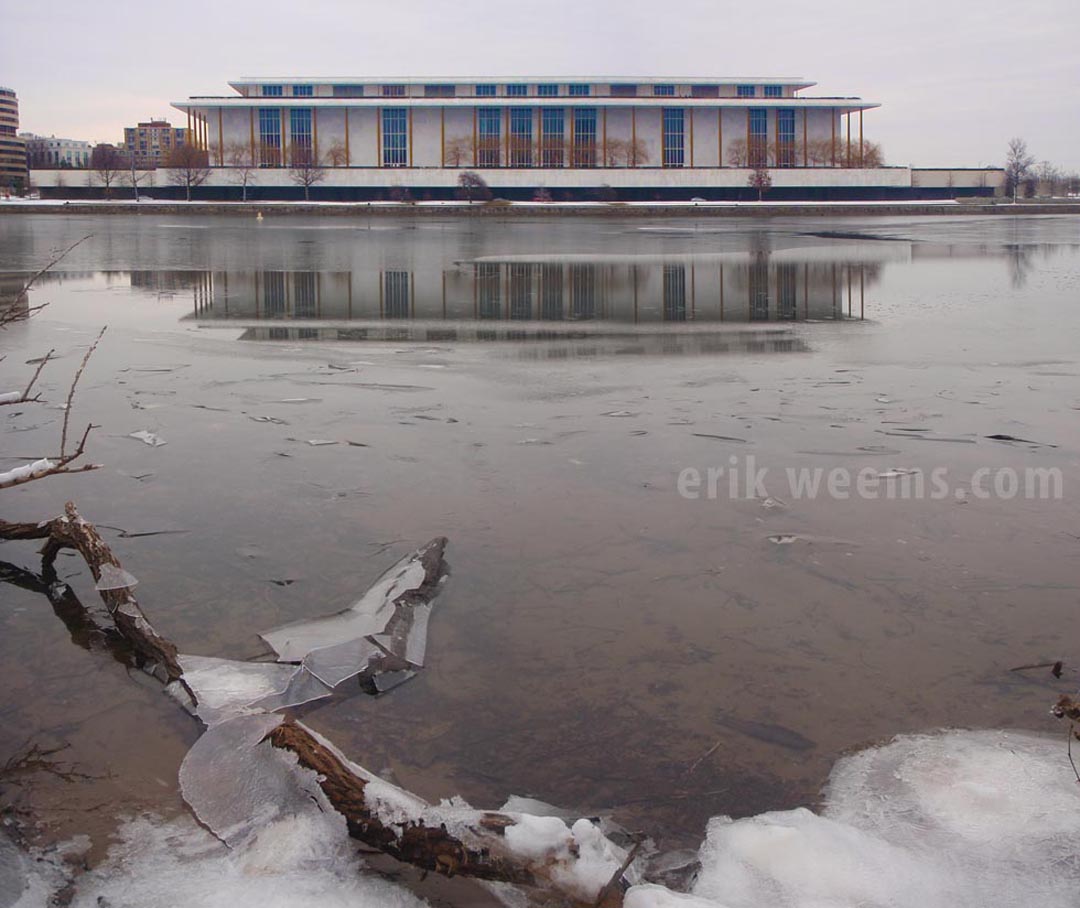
(533, 391)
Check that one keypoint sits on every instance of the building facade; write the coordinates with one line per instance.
(13, 173)
(49, 152)
(624, 133)
(150, 143)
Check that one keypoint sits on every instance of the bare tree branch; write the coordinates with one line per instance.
(71, 392)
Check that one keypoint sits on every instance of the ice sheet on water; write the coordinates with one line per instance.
(237, 784)
(405, 635)
(299, 862)
(985, 819)
(227, 688)
(148, 438)
(369, 615)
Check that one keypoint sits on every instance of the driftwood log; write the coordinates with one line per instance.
(71, 531)
(480, 852)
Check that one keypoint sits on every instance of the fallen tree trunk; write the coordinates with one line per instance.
(432, 848)
(478, 844)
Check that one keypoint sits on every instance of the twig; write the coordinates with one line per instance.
(703, 757)
(1068, 750)
(55, 468)
(52, 264)
(71, 391)
(618, 875)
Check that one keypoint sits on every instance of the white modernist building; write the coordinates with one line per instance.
(643, 137)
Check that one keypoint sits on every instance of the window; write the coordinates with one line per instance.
(785, 137)
(551, 292)
(521, 289)
(521, 135)
(300, 135)
(485, 91)
(489, 130)
(517, 91)
(584, 154)
(774, 91)
(674, 137)
(489, 281)
(704, 91)
(396, 294)
(395, 137)
(438, 91)
(269, 137)
(303, 91)
(674, 293)
(304, 295)
(547, 91)
(272, 91)
(552, 137)
(664, 91)
(579, 91)
(624, 91)
(347, 91)
(582, 291)
(393, 91)
(757, 141)
(746, 91)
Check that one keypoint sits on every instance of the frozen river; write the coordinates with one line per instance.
(623, 629)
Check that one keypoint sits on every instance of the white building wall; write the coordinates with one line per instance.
(426, 137)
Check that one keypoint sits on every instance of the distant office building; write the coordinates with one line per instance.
(13, 172)
(49, 152)
(152, 142)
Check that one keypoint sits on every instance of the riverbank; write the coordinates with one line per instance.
(543, 209)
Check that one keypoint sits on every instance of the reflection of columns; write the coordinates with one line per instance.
(832, 118)
(721, 292)
(862, 291)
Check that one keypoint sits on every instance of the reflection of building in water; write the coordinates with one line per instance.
(167, 281)
(763, 287)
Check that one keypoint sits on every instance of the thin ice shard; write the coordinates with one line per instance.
(226, 688)
(114, 578)
(303, 688)
(334, 664)
(237, 785)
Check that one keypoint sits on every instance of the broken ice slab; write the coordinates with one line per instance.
(303, 688)
(148, 438)
(382, 638)
(337, 663)
(226, 688)
(414, 579)
(237, 784)
(113, 577)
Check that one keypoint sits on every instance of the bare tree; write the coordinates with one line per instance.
(244, 166)
(458, 152)
(306, 170)
(625, 153)
(473, 186)
(337, 156)
(189, 167)
(1049, 177)
(1018, 164)
(761, 181)
(738, 153)
(107, 164)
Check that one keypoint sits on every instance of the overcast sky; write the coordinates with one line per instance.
(956, 78)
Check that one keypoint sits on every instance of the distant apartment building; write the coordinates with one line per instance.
(49, 152)
(13, 173)
(150, 143)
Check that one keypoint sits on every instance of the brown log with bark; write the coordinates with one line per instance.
(71, 531)
(431, 848)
